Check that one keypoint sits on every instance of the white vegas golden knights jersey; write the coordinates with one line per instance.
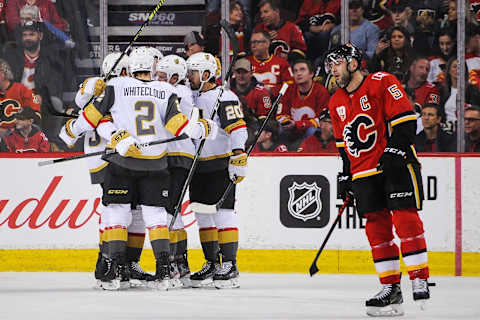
(93, 142)
(181, 153)
(230, 120)
(142, 108)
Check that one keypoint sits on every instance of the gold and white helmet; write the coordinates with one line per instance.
(173, 65)
(110, 60)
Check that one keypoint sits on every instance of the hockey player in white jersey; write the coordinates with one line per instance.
(173, 69)
(93, 142)
(221, 160)
(142, 110)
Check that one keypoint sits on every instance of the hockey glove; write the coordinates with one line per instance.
(67, 135)
(92, 88)
(344, 186)
(197, 128)
(124, 144)
(208, 128)
(237, 167)
(394, 156)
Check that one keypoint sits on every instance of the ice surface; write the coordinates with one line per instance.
(261, 296)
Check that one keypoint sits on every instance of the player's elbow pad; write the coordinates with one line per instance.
(403, 134)
(239, 138)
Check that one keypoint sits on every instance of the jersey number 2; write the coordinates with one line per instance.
(148, 117)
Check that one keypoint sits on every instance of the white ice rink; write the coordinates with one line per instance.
(261, 296)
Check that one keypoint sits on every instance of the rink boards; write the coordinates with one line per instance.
(286, 205)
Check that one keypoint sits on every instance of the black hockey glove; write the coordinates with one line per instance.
(344, 186)
(394, 156)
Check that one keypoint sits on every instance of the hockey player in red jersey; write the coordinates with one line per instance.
(382, 172)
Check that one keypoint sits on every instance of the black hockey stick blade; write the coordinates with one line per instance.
(109, 151)
(313, 268)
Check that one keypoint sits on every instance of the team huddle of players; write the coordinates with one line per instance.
(145, 101)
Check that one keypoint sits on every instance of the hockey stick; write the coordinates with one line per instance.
(109, 74)
(313, 267)
(236, 48)
(110, 151)
(213, 208)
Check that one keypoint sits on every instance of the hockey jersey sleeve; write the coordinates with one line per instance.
(283, 112)
(174, 120)
(30, 99)
(231, 116)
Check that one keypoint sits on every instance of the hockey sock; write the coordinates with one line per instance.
(173, 242)
(160, 240)
(100, 238)
(409, 228)
(385, 252)
(115, 239)
(135, 246)
(209, 241)
(181, 242)
(228, 241)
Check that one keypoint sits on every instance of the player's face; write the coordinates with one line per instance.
(162, 76)
(301, 73)
(430, 118)
(397, 40)
(173, 79)
(194, 79)
(472, 121)
(339, 71)
(243, 77)
(446, 44)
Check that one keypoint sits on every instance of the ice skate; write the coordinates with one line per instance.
(227, 277)
(138, 277)
(204, 277)
(161, 279)
(175, 282)
(184, 270)
(386, 303)
(117, 276)
(100, 270)
(421, 293)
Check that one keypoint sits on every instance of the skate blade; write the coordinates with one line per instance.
(159, 285)
(203, 284)
(393, 310)
(136, 283)
(227, 284)
(422, 304)
(175, 284)
(98, 285)
(113, 285)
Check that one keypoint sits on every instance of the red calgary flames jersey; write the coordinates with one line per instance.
(359, 119)
(35, 142)
(427, 93)
(298, 107)
(257, 98)
(272, 72)
(289, 33)
(12, 100)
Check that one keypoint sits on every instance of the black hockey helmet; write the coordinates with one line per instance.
(347, 52)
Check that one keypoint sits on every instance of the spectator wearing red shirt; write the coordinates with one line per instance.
(322, 140)
(48, 12)
(268, 140)
(317, 18)
(26, 137)
(246, 86)
(287, 34)
(269, 69)
(303, 102)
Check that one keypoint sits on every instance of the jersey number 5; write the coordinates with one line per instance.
(395, 92)
(141, 130)
(234, 112)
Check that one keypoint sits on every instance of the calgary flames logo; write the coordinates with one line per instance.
(358, 135)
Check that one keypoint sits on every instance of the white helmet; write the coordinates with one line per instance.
(171, 65)
(140, 60)
(110, 60)
(155, 53)
(202, 62)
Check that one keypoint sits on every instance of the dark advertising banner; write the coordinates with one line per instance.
(165, 47)
(128, 18)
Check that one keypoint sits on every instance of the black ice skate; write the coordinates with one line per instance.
(138, 277)
(161, 279)
(386, 303)
(100, 269)
(227, 277)
(204, 277)
(175, 282)
(117, 276)
(421, 293)
(184, 270)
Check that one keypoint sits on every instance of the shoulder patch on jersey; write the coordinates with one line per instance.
(342, 112)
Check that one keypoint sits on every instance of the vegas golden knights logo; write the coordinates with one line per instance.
(359, 135)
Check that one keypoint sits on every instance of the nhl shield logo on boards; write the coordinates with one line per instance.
(304, 202)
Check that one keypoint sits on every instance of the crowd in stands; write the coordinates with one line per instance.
(280, 41)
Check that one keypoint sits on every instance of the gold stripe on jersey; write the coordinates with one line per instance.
(69, 132)
(92, 115)
(408, 117)
(235, 125)
(365, 173)
(180, 154)
(415, 185)
(97, 169)
(176, 123)
(106, 118)
(340, 144)
(151, 157)
(218, 156)
(206, 125)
